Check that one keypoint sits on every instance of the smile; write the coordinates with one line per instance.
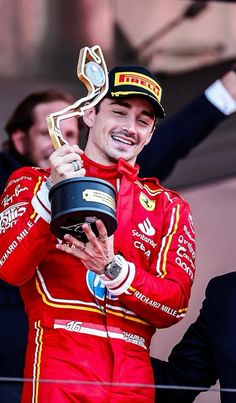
(123, 140)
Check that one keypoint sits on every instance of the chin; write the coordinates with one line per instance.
(116, 156)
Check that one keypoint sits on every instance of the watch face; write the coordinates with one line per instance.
(112, 270)
(95, 74)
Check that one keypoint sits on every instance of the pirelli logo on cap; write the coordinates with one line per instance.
(138, 80)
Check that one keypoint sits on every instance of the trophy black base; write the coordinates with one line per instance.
(77, 201)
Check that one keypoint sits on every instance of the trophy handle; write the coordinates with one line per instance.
(92, 71)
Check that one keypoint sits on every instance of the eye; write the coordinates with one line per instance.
(44, 133)
(119, 112)
(145, 122)
(70, 134)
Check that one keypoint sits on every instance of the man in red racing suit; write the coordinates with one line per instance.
(89, 335)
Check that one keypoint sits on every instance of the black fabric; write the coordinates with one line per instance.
(136, 80)
(207, 351)
(8, 164)
(13, 340)
(10, 392)
(177, 136)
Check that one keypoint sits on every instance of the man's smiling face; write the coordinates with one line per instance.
(120, 129)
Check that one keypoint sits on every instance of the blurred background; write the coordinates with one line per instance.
(188, 45)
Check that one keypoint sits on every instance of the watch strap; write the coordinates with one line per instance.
(125, 278)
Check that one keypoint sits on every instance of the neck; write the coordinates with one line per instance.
(99, 157)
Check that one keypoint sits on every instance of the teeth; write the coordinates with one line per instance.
(122, 140)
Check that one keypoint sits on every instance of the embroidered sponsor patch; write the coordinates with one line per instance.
(10, 216)
(147, 203)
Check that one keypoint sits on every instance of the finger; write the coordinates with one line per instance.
(71, 167)
(77, 149)
(63, 150)
(66, 171)
(66, 248)
(73, 241)
(68, 158)
(102, 231)
(71, 249)
(66, 148)
(90, 234)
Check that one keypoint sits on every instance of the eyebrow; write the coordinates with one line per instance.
(127, 105)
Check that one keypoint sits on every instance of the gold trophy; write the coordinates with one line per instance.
(77, 201)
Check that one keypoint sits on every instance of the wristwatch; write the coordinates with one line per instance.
(113, 269)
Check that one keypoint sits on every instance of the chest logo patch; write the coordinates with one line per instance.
(147, 203)
(96, 287)
(146, 227)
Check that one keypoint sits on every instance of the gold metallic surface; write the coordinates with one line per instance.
(95, 94)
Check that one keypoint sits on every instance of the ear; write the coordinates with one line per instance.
(18, 140)
(89, 116)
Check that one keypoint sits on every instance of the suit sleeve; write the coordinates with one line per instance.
(24, 225)
(176, 137)
(191, 362)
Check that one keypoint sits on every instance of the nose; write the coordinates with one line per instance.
(131, 125)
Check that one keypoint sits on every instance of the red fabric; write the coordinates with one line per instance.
(78, 330)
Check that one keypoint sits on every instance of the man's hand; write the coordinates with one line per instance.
(64, 162)
(95, 254)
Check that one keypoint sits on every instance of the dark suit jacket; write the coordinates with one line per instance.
(8, 164)
(177, 136)
(207, 351)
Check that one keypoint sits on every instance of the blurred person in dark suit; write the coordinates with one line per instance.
(207, 351)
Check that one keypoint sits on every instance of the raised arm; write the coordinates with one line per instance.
(187, 128)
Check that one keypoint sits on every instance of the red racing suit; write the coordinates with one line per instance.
(89, 335)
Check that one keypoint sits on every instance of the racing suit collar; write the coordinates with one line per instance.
(118, 170)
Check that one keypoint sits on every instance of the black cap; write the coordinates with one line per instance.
(135, 80)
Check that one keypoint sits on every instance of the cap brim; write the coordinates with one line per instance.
(158, 107)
